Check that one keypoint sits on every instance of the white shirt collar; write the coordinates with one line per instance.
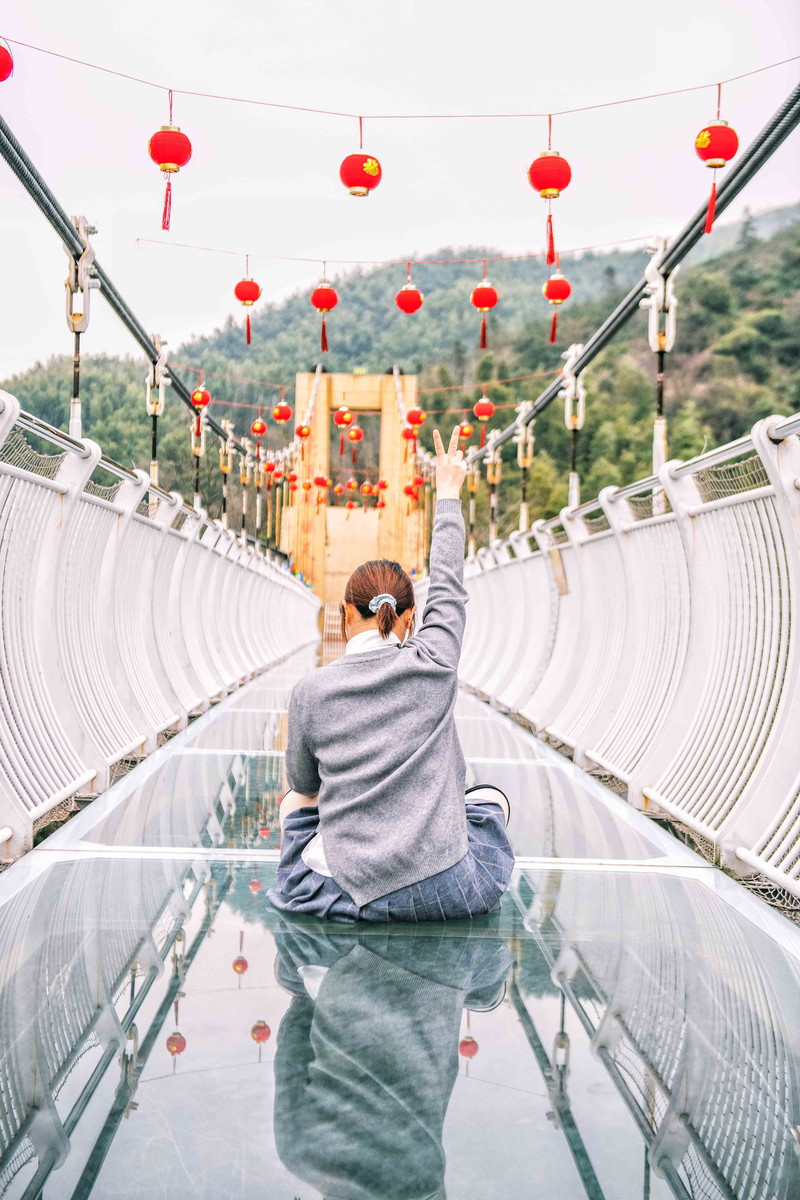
(370, 639)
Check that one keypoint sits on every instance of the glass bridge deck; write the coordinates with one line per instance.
(627, 1026)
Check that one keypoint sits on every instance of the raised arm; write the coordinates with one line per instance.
(445, 615)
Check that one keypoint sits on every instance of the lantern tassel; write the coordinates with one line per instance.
(483, 435)
(553, 326)
(405, 454)
(323, 344)
(712, 207)
(167, 213)
(551, 245)
(354, 454)
(341, 445)
(483, 334)
(248, 329)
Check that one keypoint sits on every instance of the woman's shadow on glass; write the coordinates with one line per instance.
(367, 1053)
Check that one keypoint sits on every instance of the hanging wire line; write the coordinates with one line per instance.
(456, 387)
(326, 112)
(395, 262)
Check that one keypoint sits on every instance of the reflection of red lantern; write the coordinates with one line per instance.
(549, 174)
(170, 150)
(350, 505)
(247, 292)
(260, 1033)
(176, 1043)
(264, 831)
(484, 411)
(468, 1047)
(484, 297)
(716, 144)
(6, 63)
(465, 431)
(556, 290)
(360, 173)
(342, 419)
(240, 965)
(355, 434)
(324, 298)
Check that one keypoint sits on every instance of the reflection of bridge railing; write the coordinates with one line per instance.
(123, 612)
(70, 990)
(654, 632)
(690, 1008)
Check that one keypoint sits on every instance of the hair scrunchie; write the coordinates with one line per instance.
(384, 598)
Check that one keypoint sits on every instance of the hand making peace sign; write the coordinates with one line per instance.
(450, 467)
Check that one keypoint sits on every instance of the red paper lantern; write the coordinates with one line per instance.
(556, 290)
(278, 476)
(468, 1047)
(382, 485)
(258, 429)
(307, 485)
(484, 411)
(282, 413)
(6, 63)
(324, 299)
(381, 503)
(200, 398)
(170, 150)
(354, 435)
(260, 1032)
(342, 418)
(409, 434)
(292, 477)
(351, 484)
(247, 292)
(338, 490)
(351, 504)
(484, 297)
(416, 417)
(549, 174)
(303, 432)
(418, 481)
(292, 487)
(409, 299)
(360, 173)
(716, 144)
(465, 431)
(269, 467)
(320, 481)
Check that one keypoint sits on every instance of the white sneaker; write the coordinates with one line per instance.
(487, 793)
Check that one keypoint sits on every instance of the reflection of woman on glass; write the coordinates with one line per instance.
(367, 1055)
(376, 826)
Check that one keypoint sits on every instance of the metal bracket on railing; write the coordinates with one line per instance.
(157, 377)
(573, 394)
(81, 278)
(660, 299)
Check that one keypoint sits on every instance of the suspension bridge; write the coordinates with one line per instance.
(627, 1024)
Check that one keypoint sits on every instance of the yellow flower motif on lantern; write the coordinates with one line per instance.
(703, 139)
(370, 166)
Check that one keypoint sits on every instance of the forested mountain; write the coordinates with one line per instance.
(736, 359)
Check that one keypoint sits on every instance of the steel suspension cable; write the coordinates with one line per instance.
(46, 202)
(783, 122)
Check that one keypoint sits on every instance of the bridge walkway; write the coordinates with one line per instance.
(626, 1026)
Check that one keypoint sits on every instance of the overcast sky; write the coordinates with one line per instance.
(267, 180)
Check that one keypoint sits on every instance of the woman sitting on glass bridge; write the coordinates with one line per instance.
(378, 826)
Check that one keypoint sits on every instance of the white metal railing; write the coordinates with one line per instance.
(122, 613)
(655, 632)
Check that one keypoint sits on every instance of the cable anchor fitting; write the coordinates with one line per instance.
(660, 300)
(81, 278)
